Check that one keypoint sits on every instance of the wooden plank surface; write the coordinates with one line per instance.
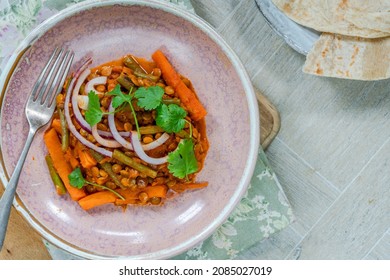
(21, 241)
(332, 152)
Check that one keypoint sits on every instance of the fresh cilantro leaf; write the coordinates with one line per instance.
(76, 178)
(94, 114)
(182, 161)
(116, 90)
(171, 117)
(119, 97)
(149, 98)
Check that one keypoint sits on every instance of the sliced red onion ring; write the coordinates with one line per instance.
(76, 111)
(104, 142)
(120, 138)
(94, 82)
(71, 127)
(114, 131)
(72, 96)
(83, 100)
(82, 67)
(141, 153)
(108, 135)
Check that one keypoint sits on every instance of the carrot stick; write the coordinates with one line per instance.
(129, 193)
(168, 72)
(156, 191)
(130, 196)
(56, 124)
(189, 186)
(97, 199)
(133, 195)
(191, 102)
(186, 95)
(60, 164)
(86, 159)
(71, 159)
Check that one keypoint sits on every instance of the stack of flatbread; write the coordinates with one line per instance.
(355, 43)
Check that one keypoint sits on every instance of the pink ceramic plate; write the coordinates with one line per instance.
(106, 31)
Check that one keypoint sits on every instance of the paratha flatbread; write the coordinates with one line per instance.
(361, 18)
(378, 20)
(349, 57)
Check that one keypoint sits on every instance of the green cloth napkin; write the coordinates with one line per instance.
(263, 211)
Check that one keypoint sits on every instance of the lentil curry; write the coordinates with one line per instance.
(128, 132)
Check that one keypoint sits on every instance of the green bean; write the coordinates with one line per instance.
(150, 129)
(125, 81)
(131, 63)
(118, 155)
(183, 134)
(64, 131)
(98, 157)
(153, 129)
(59, 185)
(167, 101)
(141, 74)
(64, 126)
(106, 167)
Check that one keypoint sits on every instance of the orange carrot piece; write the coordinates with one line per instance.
(71, 159)
(168, 72)
(189, 186)
(86, 159)
(131, 196)
(129, 193)
(56, 124)
(63, 168)
(157, 191)
(186, 95)
(97, 199)
(191, 102)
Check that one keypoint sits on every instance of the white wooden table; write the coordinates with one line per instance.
(332, 154)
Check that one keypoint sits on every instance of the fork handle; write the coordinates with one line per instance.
(9, 193)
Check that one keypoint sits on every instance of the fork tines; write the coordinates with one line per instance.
(54, 74)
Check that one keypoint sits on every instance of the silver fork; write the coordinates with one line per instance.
(39, 110)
